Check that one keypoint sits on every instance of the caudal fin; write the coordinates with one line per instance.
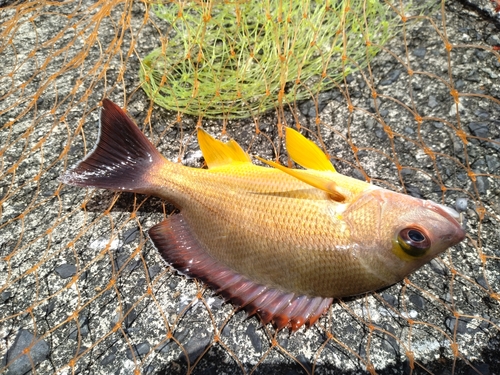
(120, 160)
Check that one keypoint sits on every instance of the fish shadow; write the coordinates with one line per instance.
(128, 202)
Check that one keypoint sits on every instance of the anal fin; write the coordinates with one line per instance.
(181, 249)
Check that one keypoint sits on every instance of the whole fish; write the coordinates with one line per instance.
(277, 242)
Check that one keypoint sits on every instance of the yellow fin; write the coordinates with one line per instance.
(311, 179)
(217, 153)
(305, 152)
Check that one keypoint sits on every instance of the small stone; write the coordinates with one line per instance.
(370, 123)
(216, 303)
(108, 359)
(130, 235)
(493, 40)
(389, 341)
(306, 365)
(38, 353)
(453, 109)
(5, 296)
(66, 270)
(417, 301)
(84, 328)
(492, 162)
(390, 299)
(414, 191)
(439, 267)
(479, 163)
(49, 307)
(380, 133)
(494, 145)
(139, 350)
(254, 338)
(308, 107)
(482, 114)
(195, 346)
(420, 51)
(479, 129)
(433, 103)
(131, 265)
(482, 281)
(226, 331)
(473, 76)
(154, 270)
(459, 84)
(406, 172)
(461, 204)
(461, 327)
(376, 101)
(164, 347)
(357, 174)
(482, 184)
(481, 55)
(390, 78)
(80, 350)
(131, 316)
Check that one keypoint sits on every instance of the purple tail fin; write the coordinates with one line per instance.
(121, 158)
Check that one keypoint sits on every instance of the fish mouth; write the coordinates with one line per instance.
(449, 214)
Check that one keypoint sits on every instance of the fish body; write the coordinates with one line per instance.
(278, 242)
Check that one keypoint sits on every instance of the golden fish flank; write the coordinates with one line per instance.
(278, 242)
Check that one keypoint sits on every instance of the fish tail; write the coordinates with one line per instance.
(122, 159)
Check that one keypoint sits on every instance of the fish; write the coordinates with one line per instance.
(280, 243)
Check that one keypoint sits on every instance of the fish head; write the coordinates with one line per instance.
(395, 234)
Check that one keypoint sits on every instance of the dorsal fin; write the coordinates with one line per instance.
(217, 153)
(322, 183)
(305, 152)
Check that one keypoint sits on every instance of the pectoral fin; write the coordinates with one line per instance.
(318, 182)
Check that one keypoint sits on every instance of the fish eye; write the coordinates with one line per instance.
(414, 241)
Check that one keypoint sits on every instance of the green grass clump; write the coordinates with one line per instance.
(238, 59)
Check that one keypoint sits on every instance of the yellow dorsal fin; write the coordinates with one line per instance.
(217, 153)
(311, 179)
(305, 152)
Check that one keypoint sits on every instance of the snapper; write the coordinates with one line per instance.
(278, 242)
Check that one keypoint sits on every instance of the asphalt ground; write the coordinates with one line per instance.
(82, 289)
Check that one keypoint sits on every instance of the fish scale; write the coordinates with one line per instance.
(279, 242)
